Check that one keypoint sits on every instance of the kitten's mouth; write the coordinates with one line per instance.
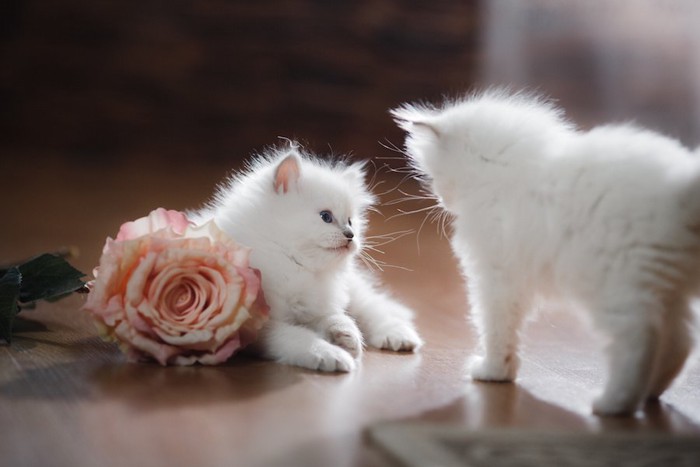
(341, 249)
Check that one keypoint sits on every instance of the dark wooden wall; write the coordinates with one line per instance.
(212, 80)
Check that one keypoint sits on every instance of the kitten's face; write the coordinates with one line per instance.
(442, 158)
(432, 158)
(320, 215)
(441, 183)
(329, 235)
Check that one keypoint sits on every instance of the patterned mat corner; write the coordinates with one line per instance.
(425, 445)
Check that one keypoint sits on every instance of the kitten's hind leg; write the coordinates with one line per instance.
(674, 347)
(633, 327)
(299, 346)
(498, 313)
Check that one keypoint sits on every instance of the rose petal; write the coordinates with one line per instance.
(223, 353)
(197, 339)
(158, 219)
(161, 352)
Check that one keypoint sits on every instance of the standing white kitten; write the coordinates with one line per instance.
(304, 220)
(607, 219)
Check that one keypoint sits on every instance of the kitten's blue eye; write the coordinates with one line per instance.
(326, 216)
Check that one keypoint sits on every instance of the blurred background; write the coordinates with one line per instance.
(111, 108)
(117, 106)
(212, 80)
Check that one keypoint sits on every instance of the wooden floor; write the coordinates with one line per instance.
(68, 399)
(108, 112)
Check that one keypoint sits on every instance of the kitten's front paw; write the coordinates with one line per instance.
(400, 337)
(497, 370)
(346, 336)
(330, 358)
(615, 405)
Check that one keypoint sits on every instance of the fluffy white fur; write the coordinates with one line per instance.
(321, 302)
(606, 219)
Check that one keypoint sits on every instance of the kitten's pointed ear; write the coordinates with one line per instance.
(415, 121)
(425, 128)
(287, 173)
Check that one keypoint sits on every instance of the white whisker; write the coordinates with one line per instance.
(445, 220)
(420, 228)
(414, 211)
(374, 263)
(367, 262)
(411, 197)
(375, 250)
(387, 238)
(386, 144)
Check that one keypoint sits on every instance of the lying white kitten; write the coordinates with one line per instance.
(607, 219)
(304, 220)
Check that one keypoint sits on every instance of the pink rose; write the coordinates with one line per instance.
(177, 293)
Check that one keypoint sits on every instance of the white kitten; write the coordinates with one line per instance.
(607, 219)
(304, 219)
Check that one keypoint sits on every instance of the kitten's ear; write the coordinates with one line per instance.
(425, 128)
(415, 121)
(287, 173)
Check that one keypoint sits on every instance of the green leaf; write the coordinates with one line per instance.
(48, 276)
(9, 293)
